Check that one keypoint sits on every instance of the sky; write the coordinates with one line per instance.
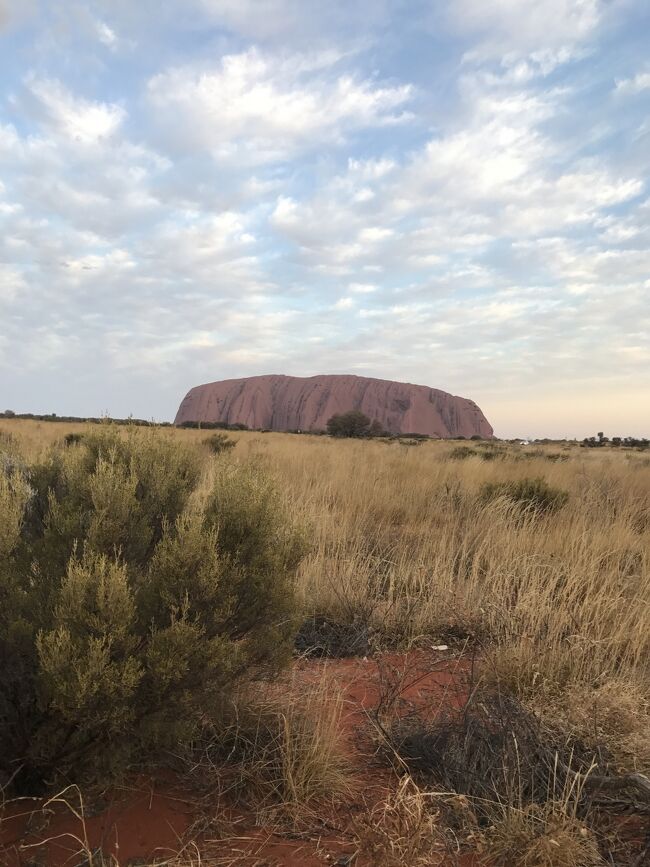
(447, 192)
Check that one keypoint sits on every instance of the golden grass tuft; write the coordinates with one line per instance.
(280, 746)
(536, 836)
(403, 829)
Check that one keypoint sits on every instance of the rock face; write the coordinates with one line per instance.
(295, 403)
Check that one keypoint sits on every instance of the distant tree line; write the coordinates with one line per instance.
(213, 425)
(348, 424)
(600, 440)
(139, 422)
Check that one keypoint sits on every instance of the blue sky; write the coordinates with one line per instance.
(448, 193)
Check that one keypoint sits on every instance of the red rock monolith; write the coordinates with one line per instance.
(282, 403)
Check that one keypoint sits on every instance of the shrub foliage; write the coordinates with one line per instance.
(129, 606)
(218, 443)
(354, 424)
(532, 495)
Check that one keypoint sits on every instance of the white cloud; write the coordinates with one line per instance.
(636, 84)
(283, 20)
(81, 120)
(280, 209)
(12, 283)
(106, 35)
(257, 108)
(362, 288)
(523, 27)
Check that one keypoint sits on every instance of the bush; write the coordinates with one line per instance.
(219, 443)
(349, 424)
(461, 453)
(533, 495)
(71, 439)
(128, 611)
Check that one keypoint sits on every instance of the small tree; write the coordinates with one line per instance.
(349, 424)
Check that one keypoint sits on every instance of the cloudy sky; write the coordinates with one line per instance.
(448, 192)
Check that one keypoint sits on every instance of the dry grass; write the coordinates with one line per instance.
(405, 545)
(536, 836)
(403, 542)
(403, 829)
(279, 745)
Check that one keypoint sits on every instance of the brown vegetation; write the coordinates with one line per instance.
(534, 563)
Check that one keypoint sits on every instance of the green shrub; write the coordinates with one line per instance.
(71, 439)
(461, 453)
(263, 549)
(349, 424)
(533, 495)
(491, 454)
(219, 443)
(127, 610)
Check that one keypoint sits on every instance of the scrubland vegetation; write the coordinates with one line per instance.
(153, 582)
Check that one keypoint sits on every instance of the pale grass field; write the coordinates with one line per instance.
(403, 543)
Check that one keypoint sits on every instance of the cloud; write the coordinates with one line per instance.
(276, 186)
(106, 35)
(80, 120)
(517, 28)
(12, 283)
(282, 20)
(15, 12)
(636, 84)
(258, 108)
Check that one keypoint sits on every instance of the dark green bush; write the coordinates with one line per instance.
(461, 453)
(128, 610)
(491, 454)
(219, 443)
(71, 439)
(533, 495)
(349, 424)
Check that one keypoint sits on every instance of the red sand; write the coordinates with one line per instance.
(153, 819)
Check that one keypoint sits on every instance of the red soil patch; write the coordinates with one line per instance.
(141, 822)
(152, 820)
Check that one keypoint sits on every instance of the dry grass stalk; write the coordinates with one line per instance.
(279, 746)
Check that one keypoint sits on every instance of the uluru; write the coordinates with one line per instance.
(284, 403)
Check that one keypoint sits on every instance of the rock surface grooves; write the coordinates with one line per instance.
(284, 403)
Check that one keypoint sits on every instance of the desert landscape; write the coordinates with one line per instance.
(325, 433)
(438, 650)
